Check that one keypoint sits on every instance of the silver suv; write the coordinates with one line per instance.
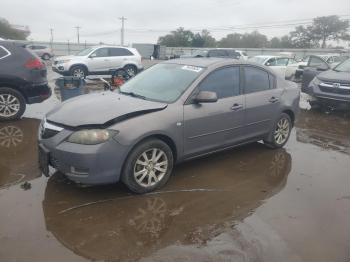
(42, 51)
(99, 60)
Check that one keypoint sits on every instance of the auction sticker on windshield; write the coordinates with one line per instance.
(192, 68)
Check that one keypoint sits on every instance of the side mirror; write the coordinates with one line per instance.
(267, 64)
(205, 97)
(92, 55)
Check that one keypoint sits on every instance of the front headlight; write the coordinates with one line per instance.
(91, 136)
(315, 82)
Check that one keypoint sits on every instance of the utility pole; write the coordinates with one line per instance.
(122, 30)
(78, 28)
(51, 37)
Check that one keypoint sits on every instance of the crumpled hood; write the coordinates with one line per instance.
(102, 109)
(333, 76)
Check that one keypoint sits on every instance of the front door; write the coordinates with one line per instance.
(208, 126)
(99, 60)
(262, 100)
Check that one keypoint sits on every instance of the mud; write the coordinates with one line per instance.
(247, 204)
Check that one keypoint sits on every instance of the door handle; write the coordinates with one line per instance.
(236, 107)
(273, 99)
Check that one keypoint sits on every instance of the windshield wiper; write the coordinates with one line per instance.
(133, 94)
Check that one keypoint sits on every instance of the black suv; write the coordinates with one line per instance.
(23, 80)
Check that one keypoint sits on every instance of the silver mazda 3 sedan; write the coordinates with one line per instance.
(171, 112)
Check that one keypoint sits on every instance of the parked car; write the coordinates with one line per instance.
(173, 111)
(328, 86)
(216, 52)
(99, 60)
(42, 51)
(282, 65)
(332, 60)
(22, 80)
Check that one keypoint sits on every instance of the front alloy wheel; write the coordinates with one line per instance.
(150, 167)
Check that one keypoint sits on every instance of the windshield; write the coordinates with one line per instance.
(343, 67)
(162, 82)
(84, 52)
(257, 59)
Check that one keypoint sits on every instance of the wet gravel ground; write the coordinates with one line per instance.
(246, 204)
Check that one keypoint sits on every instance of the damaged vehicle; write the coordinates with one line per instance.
(329, 88)
(174, 111)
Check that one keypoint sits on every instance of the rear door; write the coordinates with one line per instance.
(262, 100)
(119, 57)
(314, 66)
(208, 126)
(99, 61)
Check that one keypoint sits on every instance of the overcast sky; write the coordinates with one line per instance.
(99, 19)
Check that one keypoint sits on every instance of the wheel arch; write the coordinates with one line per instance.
(15, 87)
(79, 64)
(291, 114)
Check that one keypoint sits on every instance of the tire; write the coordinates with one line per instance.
(78, 71)
(131, 70)
(138, 175)
(46, 57)
(12, 104)
(281, 131)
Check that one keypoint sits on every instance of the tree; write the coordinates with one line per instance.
(7, 32)
(231, 40)
(329, 28)
(203, 39)
(302, 37)
(178, 38)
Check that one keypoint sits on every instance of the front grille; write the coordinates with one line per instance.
(334, 90)
(48, 133)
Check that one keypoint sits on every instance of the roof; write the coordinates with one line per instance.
(208, 62)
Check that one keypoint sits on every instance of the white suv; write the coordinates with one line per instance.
(98, 60)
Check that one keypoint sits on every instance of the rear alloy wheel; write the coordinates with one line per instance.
(148, 167)
(280, 135)
(131, 70)
(46, 57)
(12, 104)
(78, 71)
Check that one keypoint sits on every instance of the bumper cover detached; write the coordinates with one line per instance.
(88, 164)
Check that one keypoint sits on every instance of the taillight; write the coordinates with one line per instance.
(34, 63)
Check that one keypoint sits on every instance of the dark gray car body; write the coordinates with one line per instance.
(190, 129)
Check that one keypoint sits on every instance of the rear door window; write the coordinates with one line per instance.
(255, 80)
(224, 82)
(119, 52)
(315, 62)
(282, 61)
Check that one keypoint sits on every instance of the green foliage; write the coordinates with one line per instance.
(247, 40)
(329, 28)
(204, 39)
(7, 32)
(180, 37)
